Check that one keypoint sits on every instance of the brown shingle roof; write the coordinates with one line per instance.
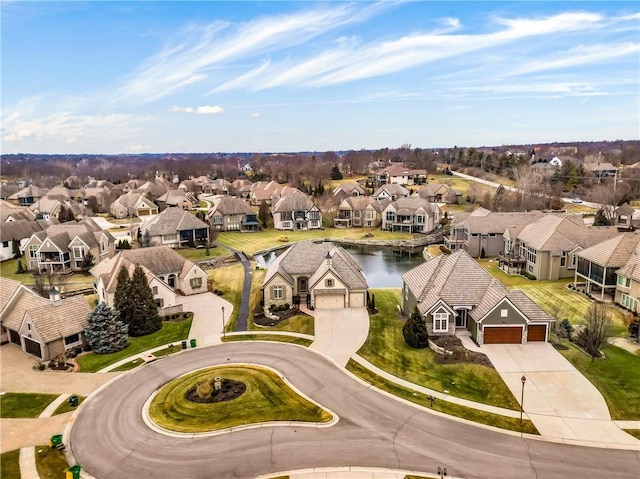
(483, 221)
(231, 206)
(297, 201)
(172, 220)
(59, 319)
(614, 252)
(26, 300)
(631, 269)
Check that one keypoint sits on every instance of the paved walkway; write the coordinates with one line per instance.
(339, 333)
(625, 343)
(560, 401)
(243, 312)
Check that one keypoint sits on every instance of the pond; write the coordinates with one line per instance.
(382, 266)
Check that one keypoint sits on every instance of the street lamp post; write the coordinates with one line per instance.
(523, 379)
(223, 331)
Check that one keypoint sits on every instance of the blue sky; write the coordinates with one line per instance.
(205, 76)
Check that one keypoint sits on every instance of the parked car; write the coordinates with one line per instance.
(576, 200)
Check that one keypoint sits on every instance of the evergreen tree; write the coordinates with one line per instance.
(15, 248)
(415, 331)
(336, 174)
(105, 332)
(87, 262)
(19, 268)
(120, 297)
(144, 311)
(65, 214)
(263, 213)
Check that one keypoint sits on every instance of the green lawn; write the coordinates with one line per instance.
(171, 332)
(77, 280)
(229, 280)
(168, 350)
(130, 365)
(66, 407)
(51, 463)
(24, 404)
(385, 348)
(634, 432)
(10, 464)
(445, 407)
(199, 254)
(257, 276)
(267, 398)
(268, 337)
(616, 377)
(252, 242)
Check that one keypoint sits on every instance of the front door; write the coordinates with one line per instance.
(302, 285)
(461, 318)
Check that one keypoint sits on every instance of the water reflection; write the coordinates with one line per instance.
(382, 266)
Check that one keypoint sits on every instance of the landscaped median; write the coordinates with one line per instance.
(223, 397)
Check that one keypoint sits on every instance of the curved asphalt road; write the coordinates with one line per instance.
(110, 440)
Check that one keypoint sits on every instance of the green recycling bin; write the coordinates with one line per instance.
(193, 343)
(73, 472)
(73, 401)
(55, 440)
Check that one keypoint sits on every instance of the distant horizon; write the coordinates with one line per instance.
(162, 77)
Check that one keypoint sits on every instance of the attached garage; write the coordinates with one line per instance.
(502, 335)
(537, 332)
(329, 301)
(356, 300)
(32, 347)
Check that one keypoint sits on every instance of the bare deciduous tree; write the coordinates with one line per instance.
(596, 330)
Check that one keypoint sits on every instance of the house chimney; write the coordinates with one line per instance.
(54, 294)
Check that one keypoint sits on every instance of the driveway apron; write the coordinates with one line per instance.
(559, 400)
(340, 332)
(206, 326)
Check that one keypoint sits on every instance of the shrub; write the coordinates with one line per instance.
(528, 275)
(204, 390)
(415, 330)
(444, 249)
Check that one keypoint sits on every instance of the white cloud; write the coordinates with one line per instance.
(255, 115)
(138, 148)
(181, 109)
(209, 110)
(18, 135)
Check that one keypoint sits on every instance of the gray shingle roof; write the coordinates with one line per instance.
(297, 201)
(23, 228)
(392, 189)
(59, 319)
(172, 220)
(231, 206)
(614, 252)
(631, 269)
(483, 221)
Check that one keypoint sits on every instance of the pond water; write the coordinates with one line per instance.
(382, 266)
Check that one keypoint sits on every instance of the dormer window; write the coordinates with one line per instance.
(328, 282)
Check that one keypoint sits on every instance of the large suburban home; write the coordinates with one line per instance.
(481, 233)
(439, 193)
(168, 273)
(359, 211)
(27, 196)
(62, 248)
(601, 170)
(178, 199)
(133, 204)
(410, 215)
(296, 211)
(44, 328)
(598, 267)
(347, 189)
(547, 248)
(10, 212)
(232, 214)
(401, 175)
(20, 232)
(268, 192)
(390, 192)
(241, 188)
(219, 186)
(176, 228)
(628, 284)
(317, 273)
(456, 296)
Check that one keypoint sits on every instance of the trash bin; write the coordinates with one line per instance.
(184, 345)
(193, 343)
(73, 401)
(55, 440)
(73, 472)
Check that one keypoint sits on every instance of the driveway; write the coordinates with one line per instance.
(206, 326)
(559, 400)
(340, 332)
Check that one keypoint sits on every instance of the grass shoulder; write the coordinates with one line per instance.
(65, 407)
(227, 282)
(10, 464)
(50, 463)
(268, 337)
(24, 405)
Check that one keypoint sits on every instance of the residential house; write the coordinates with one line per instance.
(296, 211)
(97, 198)
(399, 174)
(241, 188)
(20, 231)
(346, 190)
(133, 204)
(7, 189)
(177, 199)
(390, 192)
(628, 283)
(62, 248)
(598, 267)
(44, 328)
(439, 193)
(601, 170)
(411, 215)
(218, 186)
(318, 273)
(176, 228)
(547, 248)
(481, 233)
(27, 196)
(455, 295)
(359, 211)
(269, 192)
(232, 214)
(623, 217)
(11, 212)
(168, 273)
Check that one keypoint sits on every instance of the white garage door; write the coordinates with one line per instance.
(356, 300)
(329, 301)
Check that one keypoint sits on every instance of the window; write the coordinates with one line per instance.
(420, 219)
(440, 322)
(328, 282)
(159, 302)
(154, 290)
(28, 326)
(33, 251)
(504, 313)
(563, 259)
(629, 302)
(78, 252)
(196, 282)
(168, 238)
(573, 260)
(624, 282)
(5, 244)
(391, 216)
(74, 338)
(278, 292)
(216, 219)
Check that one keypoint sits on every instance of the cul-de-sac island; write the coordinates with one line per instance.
(394, 313)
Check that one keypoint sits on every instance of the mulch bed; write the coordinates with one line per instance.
(460, 353)
(261, 320)
(231, 389)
